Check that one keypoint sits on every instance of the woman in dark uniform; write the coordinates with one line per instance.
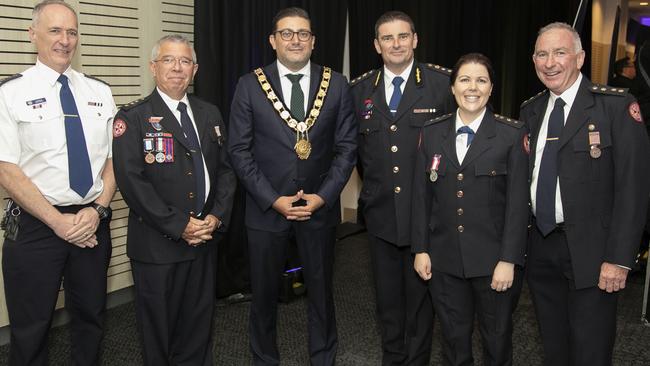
(470, 216)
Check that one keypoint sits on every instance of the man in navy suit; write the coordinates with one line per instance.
(293, 146)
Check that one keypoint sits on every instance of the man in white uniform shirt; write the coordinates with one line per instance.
(55, 164)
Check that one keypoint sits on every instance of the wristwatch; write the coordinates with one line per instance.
(104, 212)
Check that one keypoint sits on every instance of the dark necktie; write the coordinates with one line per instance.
(397, 94)
(197, 156)
(297, 97)
(79, 170)
(469, 132)
(547, 176)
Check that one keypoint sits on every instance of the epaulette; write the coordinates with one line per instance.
(362, 77)
(608, 90)
(98, 79)
(438, 68)
(533, 98)
(437, 119)
(9, 78)
(134, 103)
(508, 121)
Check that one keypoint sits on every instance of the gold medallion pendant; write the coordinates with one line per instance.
(303, 148)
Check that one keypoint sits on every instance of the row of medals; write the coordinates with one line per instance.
(302, 146)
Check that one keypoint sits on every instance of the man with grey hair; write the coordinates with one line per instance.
(171, 168)
(589, 187)
(56, 166)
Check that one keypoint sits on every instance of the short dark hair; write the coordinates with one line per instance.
(475, 58)
(289, 12)
(391, 16)
(619, 65)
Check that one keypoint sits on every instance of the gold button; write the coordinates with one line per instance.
(393, 148)
(460, 212)
(460, 176)
(395, 169)
(191, 195)
(493, 173)
(192, 213)
(461, 228)
(189, 173)
(398, 189)
(459, 194)
(393, 128)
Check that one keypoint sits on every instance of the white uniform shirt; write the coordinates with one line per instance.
(286, 84)
(172, 104)
(461, 138)
(568, 97)
(388, 81)
(32, 131)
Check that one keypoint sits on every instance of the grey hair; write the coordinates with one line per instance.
(577, 44)
(38, 9)
(172, 38)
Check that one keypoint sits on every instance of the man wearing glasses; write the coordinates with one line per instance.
(293, 146)
(392, 104)
(170, 165)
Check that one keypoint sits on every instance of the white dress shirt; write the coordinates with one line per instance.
(461, 138)
(286, 84)
(172, 104)
(388, 81)
(568, 97)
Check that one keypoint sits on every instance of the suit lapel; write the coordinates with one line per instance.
(449, 142)
(578, 115)
(534, 125)
(481, 142)
(314, 85)
(273, 76)
(169, 121)
(379, 97)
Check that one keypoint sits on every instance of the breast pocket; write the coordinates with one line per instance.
(41, 129)
(492, 175)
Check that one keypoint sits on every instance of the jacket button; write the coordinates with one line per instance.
(493, 173)
(192, 213)
(461, 228)
(460, 176)
(189, 173)
(459, 194)
(191, 195)
(188, 154)
(459, 211)
(393, 128)
(395, 169)
(393, 148)
(398, 189)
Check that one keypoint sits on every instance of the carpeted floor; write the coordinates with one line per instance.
(359, 342)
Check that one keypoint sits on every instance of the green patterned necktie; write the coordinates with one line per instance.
(297, 97)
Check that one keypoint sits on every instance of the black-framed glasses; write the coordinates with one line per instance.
(170, 60)
(287, 34)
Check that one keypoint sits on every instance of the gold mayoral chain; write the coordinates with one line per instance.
(302, 146)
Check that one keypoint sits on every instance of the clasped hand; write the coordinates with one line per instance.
(284, 205)
(78, 229)
(199, 231)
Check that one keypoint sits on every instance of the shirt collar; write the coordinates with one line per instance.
(389, 76)
(50, 75)
(171, 102)
(569, 95)
(305, 71)
(474, 125)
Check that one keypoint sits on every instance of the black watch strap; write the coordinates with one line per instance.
(104, 212)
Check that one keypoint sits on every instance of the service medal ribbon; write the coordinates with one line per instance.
(435, 164)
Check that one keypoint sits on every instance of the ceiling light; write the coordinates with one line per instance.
(643, 3)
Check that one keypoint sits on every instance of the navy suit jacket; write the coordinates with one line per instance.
(161, 196)
(604, 200)
(261, 148)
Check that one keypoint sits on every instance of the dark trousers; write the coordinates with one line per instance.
(577, 326)
(174, 309)
(268, 253)
(33, 266)
(403, 305)
(456, 300)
